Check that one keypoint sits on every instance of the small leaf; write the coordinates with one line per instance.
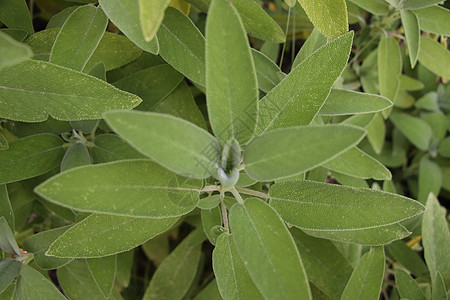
(322, 206)
(267, 72)
(30, 156)
(12, 52)
(416, 130)
(134, 188)
(376, 7)
(389, 67)
(376, 132)
(33, 285)
(415, 4)
(434, 57)
(231, 87)
(231, 274)
(15, 14)
(286, 152)
(176, 144)
(366, 279)
(69, 50)
(430, 179)
(314, 41)
(118, 234)
(9, 269)
(410, 84)
(33, 90)
(412, 33)
(434, 19)
(76, 155)
(268, 251)
(209, 202)
(103, 271)
(210, 219)
(407, 287)
(329, 16)
(408, 258)
(151, 14)
(125, 15)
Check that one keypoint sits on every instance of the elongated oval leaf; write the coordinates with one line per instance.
(7, 239)
(407, 287)
(136, 188)
(267, 72)
(434, 19)
(9, 269)
(416, 130)
(33, 285)
(12, 52)
(412, 32)
(87, 22)
(389, 67)
(322, 206)
(15, 14)
(268, 251)
(151, 14)
(289, 151)
(430, 179)
(103, 235)
(211, 218)
(231, 87)
(33, 90)
(176, 144)
(125, 15)
(415, 4)
(76, 155)
(298, 98)
(434, 56)
(30, 156)
(232, 277)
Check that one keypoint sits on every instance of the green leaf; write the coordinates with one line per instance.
(415, 4)
(12, 52)
(329, 16)
(176, 144)
(124, 266)
(297, 99)
(117, 234)
(389, 67)
(267, 72)
(125, 15)
(39, 243)
(103, 271)
(289, 151)
(430, 179)
(30, 156)
(6, 210)
(110, 147)
(151, 14)
(176, 273)
(33, 90)
(407, 287)
(346, 102)
(231, 274)
(408, 258)
(410, 23)
(416, 130)
(157, 248)
(438, 289)
(182, 45)
(436, 240)
(211, 218)
(210, 292)
(376, 7)
(134, 188)
(410, 84)
(434, 19)
(326, 267)
(268, 251)
(76, 155)
(58, 19)
(10, 292)
(231, 86)
(376, 132)
(33, 285)
(314, 41)
(9, 269)
(434, 57)
(71, 51)
(209, 202)
(366, 279)
(15, 14)
(322, 206)
(357, 163)
(444, 147)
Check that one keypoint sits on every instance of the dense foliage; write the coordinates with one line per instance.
(215, 149)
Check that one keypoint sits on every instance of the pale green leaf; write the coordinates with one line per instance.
(408, 258)
(376, 131)
(444, 147)
(410, 84)
(6, 210)
(15, 14)
(328, 16)
(438, 289)
(412, 33)
(103, 271)
(415, 4)
(407, 287)
(9, 269)
(151, 14)
(211, 218)
(366, 279)
(79, 37)
(125, 15)
(231, 86)
(104, 235)
(176, 144)
(267, 72)
(389, 67)
(416, 130)
(430, 179)
(33, 285)
(33, 90)
(268, 251)
(314, 41)
(12, 52)
(286, 152)
(134, 188)
(434, 57)
(174, 276)
(348, 180)
(58, 19)
(346, 102)
(376, 7)
(231, 274)
(434, 19)
(209, 202)
(297, 99)
(76, 155)
(30, 156)
(110, 147)
(322, 206)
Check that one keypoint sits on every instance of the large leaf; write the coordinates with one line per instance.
(9, 269)
(232, 277)
(412, 33)
(176, 144)
(298, 98)
(33, 90)
(416, 130)
(103, 235)
(289, 151)
(15, 14)
(135, 188)
(71, 51)
(389, 67)
(366, 279)
(322, 206)
(434, 19)
(12, 52)
(231, 86)
(30, 156)
(434, 57)
(329, 16)
(268, 251)
(151, 14)
(125, 15)
(33, 285)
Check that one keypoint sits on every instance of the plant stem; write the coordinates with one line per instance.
(253, 193)
(209, 188)
(237, 195)
(224, 211)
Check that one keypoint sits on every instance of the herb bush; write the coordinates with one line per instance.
(215, 149)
